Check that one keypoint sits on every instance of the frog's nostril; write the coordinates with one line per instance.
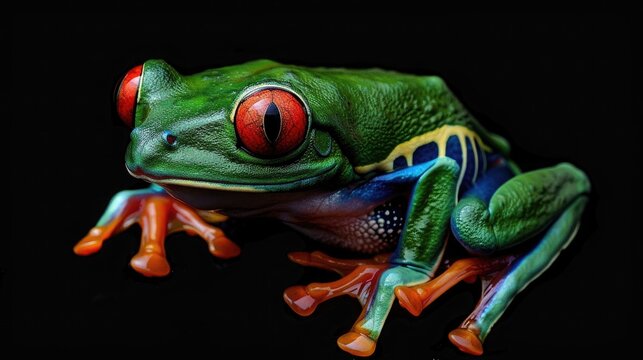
(169, 138)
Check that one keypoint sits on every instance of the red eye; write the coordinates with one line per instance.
(271, 122)
(127, 95)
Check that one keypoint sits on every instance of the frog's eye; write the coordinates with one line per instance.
(271, 122)
(127, 95)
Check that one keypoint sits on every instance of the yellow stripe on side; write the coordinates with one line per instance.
(440, 136)
(463, 167)
(474, 146)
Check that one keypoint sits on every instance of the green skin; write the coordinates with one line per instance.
(357, 118)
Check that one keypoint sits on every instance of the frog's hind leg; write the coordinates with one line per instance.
(548, 203)
(500, 288)
(498, 212)
(416, 298)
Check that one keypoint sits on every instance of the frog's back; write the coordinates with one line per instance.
(385, 120)
(381, 120)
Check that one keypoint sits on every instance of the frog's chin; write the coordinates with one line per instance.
(232, 202)
(217, 195)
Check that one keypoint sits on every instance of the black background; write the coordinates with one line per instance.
(559, 87)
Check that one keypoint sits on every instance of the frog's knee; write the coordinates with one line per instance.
(576, 175)
(470, 223)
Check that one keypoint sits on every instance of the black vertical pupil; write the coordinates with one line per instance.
(272, 123)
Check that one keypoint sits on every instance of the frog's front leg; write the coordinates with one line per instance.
(418, 255)
(158, 214)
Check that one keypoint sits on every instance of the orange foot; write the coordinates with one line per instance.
(416, 298)
(158, 214)
(361, 280)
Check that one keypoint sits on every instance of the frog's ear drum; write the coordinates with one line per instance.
(127, 95)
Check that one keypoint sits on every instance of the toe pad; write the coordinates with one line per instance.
(466, 340)
(356, 344)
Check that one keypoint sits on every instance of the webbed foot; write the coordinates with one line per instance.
(371, 282)
(491, 270)
(158, 214)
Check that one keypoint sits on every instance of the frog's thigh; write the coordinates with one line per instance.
(485, 220)
(520, 207)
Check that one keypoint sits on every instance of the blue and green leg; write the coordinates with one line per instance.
(414, 262)
(501, 211)
(495, 215)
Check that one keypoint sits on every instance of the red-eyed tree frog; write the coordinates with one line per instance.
(374, 161)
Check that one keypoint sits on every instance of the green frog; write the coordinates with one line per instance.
(374, 161)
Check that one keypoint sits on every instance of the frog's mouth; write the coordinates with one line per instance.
(168, 181)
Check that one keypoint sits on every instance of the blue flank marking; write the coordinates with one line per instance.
(492, 170)
(382, 187)
(467, 180)
(489, 182)
(425, 153)
(404, 176)
(482, 160)
(400, 163)
(429, 152)
(453, 149)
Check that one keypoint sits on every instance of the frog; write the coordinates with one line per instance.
(386, 164)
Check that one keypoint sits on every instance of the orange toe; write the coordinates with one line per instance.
(224, 248)
(299, 300)
(91, 243)
(466, 340)
(356, 344)
(409, 299)
(300, 257)
(150, 264)
(88, 247)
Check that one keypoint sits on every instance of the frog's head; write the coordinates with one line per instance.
(245, 128)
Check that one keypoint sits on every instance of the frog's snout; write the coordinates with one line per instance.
(147, 148)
